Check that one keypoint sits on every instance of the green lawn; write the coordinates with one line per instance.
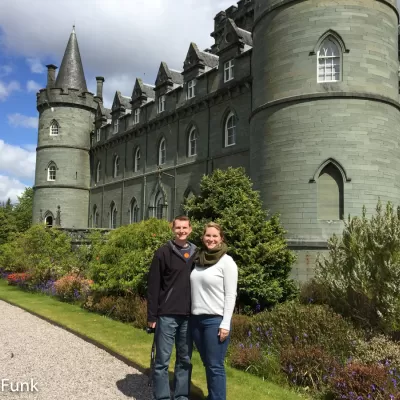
(134, 344)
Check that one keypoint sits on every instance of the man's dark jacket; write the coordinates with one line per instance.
(168, 290)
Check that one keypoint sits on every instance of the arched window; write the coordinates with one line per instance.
(192, 142)
(133, 211)
(230, 130)
(54, 128)
(136, 160)
(329, 61)
(159, 205)
(116, 167)
(51, 172)
(49, 219)
(162, 152)
(113, 216)
(95, 220)
(98, 172)
(330, 193)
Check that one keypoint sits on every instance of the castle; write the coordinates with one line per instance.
(304, 94)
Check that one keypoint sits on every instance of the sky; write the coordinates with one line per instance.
(118, 39)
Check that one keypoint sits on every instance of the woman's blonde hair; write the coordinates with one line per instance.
(218, 227)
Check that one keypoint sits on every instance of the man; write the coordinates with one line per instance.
(168, 310)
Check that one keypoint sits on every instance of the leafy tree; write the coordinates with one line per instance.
(256, 243)
(22, 211)
(120, 264)
(361, 275)
(7, 221)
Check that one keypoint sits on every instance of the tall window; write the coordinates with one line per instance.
(228, 70)
(98, 134)
(54, 128)
(133, 211)
(230, 130)
(116, 125)
(116, 166)
(98, 172)
(192, 144)
(51, 172)
(330, 193)
(95, 220)
(159, 205)
(162, 152)
(161, 103)
(191, 89)
(136, 118)
(329, 62)
(113, 216)
(49, 219)
(136, 165)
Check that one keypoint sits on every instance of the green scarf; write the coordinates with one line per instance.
(207, 258)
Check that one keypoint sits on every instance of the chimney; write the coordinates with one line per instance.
(51, 75)
(99, 80)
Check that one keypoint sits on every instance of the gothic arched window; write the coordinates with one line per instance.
(113, 216)
(54, 128)
(329, 61)
(192, 142)
(330, 193)
(116, 167)
(230, 130)
(95, 218)
(52, 172)
(159, 205)
(133, 211)
(136, 160)
(98, 172)
(162, 152)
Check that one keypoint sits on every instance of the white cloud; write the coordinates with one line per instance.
(23, 121)
(32, 86)
(5, 70)
(35, 65)
(10, 188)
(116, 38)
(16, 161)
(7, 88)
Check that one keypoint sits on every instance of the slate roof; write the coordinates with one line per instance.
(149, 90)
(246, 36)
(70, 74)
(176, 76)
(210, 60)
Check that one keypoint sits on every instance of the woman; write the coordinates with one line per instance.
(213, 286)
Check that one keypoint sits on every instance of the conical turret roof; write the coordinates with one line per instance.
(71, 75)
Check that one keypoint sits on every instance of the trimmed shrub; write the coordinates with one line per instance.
(121, 263)
(308, 366)
(294, 324)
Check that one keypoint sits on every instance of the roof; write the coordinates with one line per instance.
(71, 75)
(176, 76)
(125, 101)
(209, 59)
(246, 36)
(149, 90)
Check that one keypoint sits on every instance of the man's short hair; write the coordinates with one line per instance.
(181, 218)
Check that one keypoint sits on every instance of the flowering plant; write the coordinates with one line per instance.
(72, 287)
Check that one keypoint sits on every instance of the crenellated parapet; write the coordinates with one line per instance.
(55, 97)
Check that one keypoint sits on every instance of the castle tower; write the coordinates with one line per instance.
(66, 115)
(325, 124)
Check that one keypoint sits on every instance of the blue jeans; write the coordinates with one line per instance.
(212, 352)
(169, 330)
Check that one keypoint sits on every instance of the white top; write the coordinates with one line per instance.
(214, 289)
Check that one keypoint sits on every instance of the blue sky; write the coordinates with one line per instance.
(119, 39)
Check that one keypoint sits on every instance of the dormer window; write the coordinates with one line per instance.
(98, 134)
(191, 89)
(54, 128)
(228, 71)
(136, 117)
(161, 104)
(116, 126)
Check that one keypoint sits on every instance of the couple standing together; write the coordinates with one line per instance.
(191, 296)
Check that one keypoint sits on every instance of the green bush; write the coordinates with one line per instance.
(362, 273)
(42, 252)
(120, 264)
(294, 324)
(257, 244)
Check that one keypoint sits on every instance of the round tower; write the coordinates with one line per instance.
(325, 122)
(66, 115)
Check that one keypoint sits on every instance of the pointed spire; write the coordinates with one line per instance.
(71, 75)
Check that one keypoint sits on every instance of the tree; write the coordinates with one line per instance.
(7, 221)
(23, 210)
(361, 275)
(256, 243)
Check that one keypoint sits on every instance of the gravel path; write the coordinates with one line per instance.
(61, 365)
